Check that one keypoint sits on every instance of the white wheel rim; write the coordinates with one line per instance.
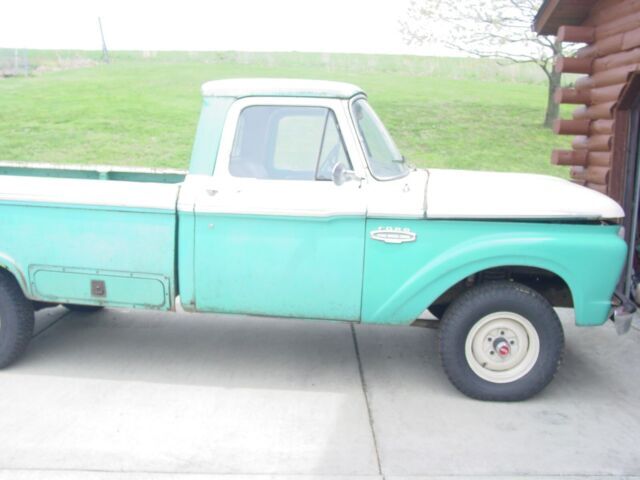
(502, 347)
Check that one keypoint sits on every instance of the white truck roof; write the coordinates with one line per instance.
(278, 87)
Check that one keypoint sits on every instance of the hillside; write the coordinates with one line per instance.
(142, 108)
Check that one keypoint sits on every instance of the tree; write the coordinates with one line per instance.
(498, 29)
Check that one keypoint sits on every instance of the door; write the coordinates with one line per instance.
(273, 234)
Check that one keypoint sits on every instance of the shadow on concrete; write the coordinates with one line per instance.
(135, 391)
(144, 391)
(194, 349)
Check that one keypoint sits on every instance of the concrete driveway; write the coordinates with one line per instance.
(127, 394)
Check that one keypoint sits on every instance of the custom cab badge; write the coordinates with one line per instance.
(393, 235)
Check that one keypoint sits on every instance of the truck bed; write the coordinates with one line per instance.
(91, 235)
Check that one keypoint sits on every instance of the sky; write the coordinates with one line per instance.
(355, 26)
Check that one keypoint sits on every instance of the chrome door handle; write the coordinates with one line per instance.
(211, 191)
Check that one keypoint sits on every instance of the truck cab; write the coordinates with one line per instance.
(284, 204)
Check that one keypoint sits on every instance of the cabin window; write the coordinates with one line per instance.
(287, 143)
(384, 159)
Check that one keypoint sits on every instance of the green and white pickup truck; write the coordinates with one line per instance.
(298, 204)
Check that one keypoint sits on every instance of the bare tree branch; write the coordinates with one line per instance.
(499, 29)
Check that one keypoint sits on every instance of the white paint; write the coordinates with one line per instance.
(224, 193)
(438, 194)
(245, 87)
(450, 194)
(106, 193)
(402, 197)
(491, 195)
(486, 361)
(399, 198)
(251, 196)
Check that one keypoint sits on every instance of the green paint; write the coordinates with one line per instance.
(280, 266)
(208, 134)
(55, 251)
(185, 260)
(291, 266)
(400, 281)
(123, 289)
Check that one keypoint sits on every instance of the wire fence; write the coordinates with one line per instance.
(22, 63)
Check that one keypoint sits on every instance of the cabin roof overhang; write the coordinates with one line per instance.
(555, 13)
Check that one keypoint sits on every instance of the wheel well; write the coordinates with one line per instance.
(551, 286)
(5, 272)
(16, 277)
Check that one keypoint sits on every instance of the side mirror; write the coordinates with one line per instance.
(341, 174)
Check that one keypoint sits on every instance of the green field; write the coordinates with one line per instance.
(142, 109)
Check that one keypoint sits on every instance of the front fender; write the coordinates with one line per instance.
(401, 280)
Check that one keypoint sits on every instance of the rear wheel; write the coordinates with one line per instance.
(16, 320)
(501, 341)
(83, 308)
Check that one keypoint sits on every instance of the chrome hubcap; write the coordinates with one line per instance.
(502, 347)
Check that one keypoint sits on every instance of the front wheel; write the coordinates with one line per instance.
(501, 341)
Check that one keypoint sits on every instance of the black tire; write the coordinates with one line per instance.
(82, 308)
(438, 310)
(16, 320)
(475, 305)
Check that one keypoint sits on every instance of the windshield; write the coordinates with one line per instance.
(383, 157)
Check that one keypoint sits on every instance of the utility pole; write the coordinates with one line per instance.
(105, 52)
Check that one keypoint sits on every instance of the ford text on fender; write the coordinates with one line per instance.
(298, 204)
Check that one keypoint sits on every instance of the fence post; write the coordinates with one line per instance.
(105, 52)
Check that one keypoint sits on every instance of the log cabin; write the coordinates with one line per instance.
(606, 120)
(603, 123)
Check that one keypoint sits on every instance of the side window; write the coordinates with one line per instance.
(332, 149)
(296, 139)
(287, 143)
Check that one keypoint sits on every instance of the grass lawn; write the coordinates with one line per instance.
(139, 110)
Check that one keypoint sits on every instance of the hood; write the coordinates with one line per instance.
(485, 195)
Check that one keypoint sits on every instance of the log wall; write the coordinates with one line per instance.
(611, 32)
